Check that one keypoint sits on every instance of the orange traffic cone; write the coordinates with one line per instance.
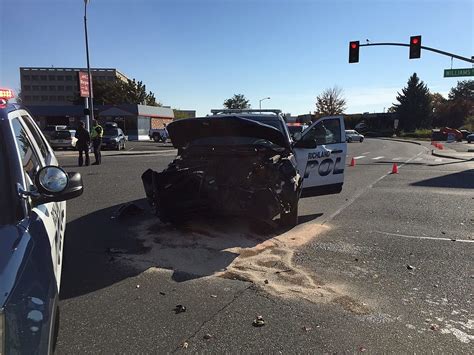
(395, 168)
(440, 146)
(353, 162)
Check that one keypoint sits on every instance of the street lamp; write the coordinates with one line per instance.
(260, 102)
(91, 103)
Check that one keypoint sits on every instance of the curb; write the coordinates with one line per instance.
(434, 153)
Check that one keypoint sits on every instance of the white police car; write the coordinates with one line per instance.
(32, 223)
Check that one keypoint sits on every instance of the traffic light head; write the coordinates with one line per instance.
(354, 52)
(415, 47)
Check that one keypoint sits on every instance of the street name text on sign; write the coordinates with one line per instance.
(84, 84)
(449, 73)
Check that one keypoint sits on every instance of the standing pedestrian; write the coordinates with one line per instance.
(96, 136)
(83, 143)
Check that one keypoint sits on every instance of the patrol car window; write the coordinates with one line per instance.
(38, 138)
(325, 132)
(28, 157)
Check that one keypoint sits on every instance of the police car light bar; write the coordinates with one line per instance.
(6, 94)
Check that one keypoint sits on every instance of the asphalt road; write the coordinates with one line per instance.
(385, 266)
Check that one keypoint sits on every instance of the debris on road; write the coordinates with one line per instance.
(214, 296)
(362, 349)
(138, 286)
(185, 345)
(208, 336)
(179, 309)
(258, 322)
(128, 210)
(162, 293)
(409, 267)
(434, 327)
(307, 329)
(266, 282)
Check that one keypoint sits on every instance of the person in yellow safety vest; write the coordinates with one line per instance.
(96, 137)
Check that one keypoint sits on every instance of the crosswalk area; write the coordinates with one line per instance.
(369, 158)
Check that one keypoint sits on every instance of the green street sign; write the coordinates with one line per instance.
(449, 73)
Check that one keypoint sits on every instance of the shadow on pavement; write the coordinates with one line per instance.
(459, 180)
(101, 250)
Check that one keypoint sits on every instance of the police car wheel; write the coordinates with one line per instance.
(156, 137)
(361, 140)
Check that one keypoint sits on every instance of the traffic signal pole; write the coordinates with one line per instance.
(452, 55)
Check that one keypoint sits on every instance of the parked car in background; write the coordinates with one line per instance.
(63, 139)
(353, 136)
(113, 138)
(465, 133)
(48, 131)
(158, 135)
(470, 138)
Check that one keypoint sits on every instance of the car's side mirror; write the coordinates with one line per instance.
(297, 136)
(55, 185)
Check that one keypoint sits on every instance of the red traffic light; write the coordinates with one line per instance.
(353, 45)
(415, 47)
(354, 52)
(415, 40)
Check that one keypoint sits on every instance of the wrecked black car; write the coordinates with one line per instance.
(226, 166)
(245, 164)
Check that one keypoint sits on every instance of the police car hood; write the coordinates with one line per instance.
(14, 246)
(185, 131)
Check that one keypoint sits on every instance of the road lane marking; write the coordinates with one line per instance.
(398, 158)
(422, 237)
(359, 157)
(377, 158)
(351, 200)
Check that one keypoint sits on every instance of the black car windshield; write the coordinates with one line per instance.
(111, 132)
(5, 193)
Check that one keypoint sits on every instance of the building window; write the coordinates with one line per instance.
(52, 98)
(35, 97)
(27, 97)
(52, 88)
(43, 77)
(26, 77)
(36, 87)
(44, 98)
(68, 78)
(52, 77)
(68, 87)
(60, 87)
(44, 87)
(26, 87)
(34, 77)
(60, 77)
(61, 98)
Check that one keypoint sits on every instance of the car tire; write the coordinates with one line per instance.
(349, 140)
(290, 219)
(123, 145)
(156, 137)
(361, 140)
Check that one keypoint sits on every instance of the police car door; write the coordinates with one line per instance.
(35, 153)
(321, 156)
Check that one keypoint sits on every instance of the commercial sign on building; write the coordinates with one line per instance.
(84, 84)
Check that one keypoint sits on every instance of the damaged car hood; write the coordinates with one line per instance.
(184, 131)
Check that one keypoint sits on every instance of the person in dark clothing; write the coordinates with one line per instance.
(83, 143)
(96, 136)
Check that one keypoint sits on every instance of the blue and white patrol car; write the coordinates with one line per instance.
(33, 191)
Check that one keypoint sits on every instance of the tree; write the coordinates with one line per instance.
(330, 102)
(120, 92)
(439, 112)
(238, 101)
(414, 108)
(463, 90)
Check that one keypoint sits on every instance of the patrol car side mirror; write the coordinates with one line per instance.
(55, 185)
(51, 180)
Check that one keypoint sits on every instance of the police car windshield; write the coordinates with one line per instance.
(5, 197)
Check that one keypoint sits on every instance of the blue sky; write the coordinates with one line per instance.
(193, 54)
